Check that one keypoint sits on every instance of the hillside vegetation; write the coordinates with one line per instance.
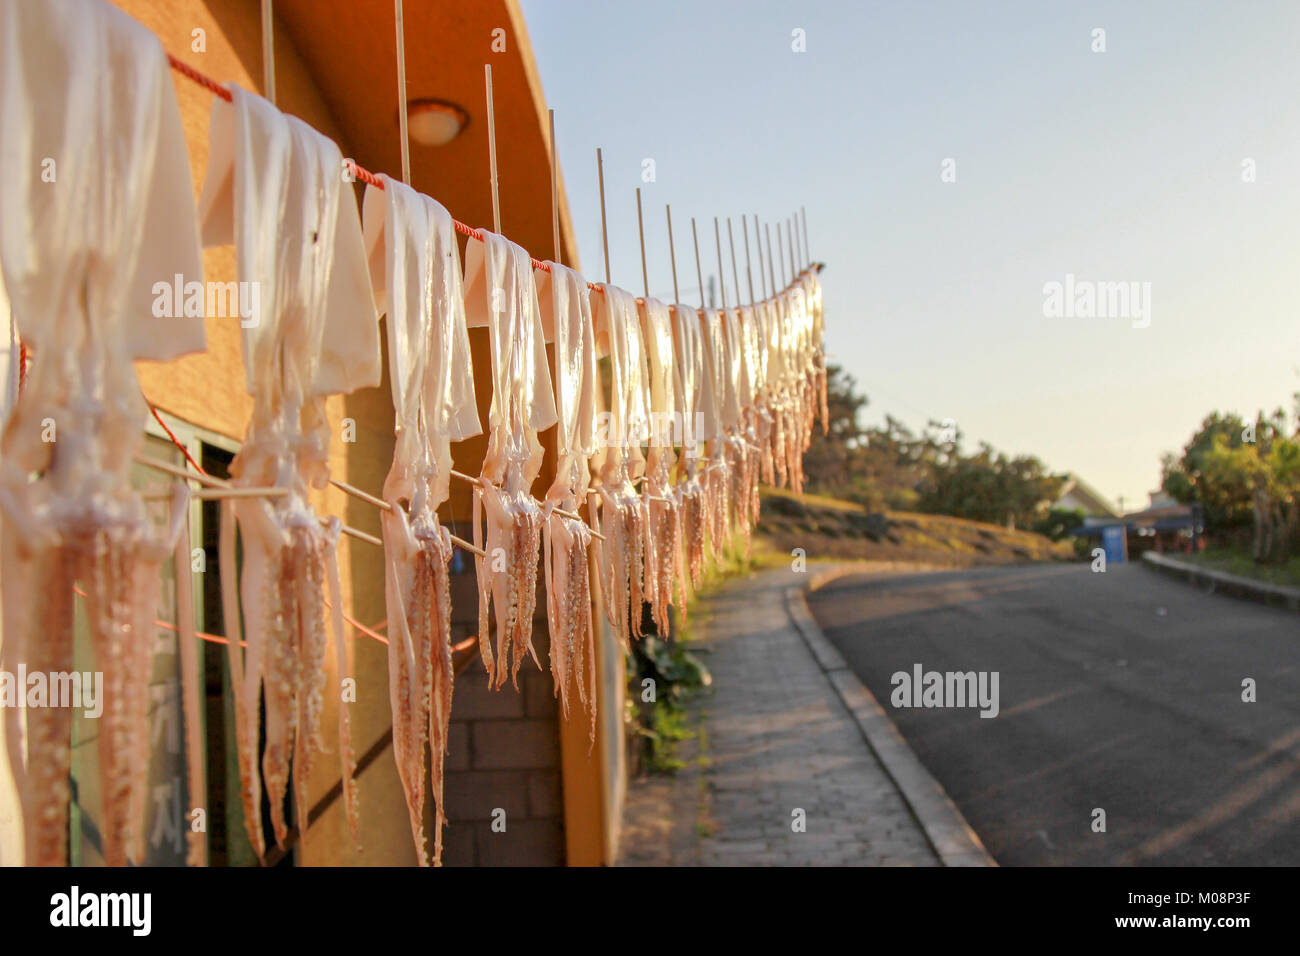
(829, 529)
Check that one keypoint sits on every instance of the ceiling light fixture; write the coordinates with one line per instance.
(434, 122)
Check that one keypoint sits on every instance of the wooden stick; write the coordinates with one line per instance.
(401, 92)
(214, 494)
(268, 51)
(807, 255)
(462, 543)
(492, 150)
(360, 535)
(699, 276)
(604, 228)
(559, 511)
(758, 242)
(789, 235)
(181, 472)
(361, 495)
(780, 251)
(191, 695)
(722, 283)
(555, 190)
(640, 228)
(735, 277)
(749, 268)
(771, 273)
(672, 252)
(385, 506)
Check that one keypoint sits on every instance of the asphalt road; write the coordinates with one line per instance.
(1119, 690)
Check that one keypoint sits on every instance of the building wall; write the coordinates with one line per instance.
(505, 746)
(208, 390)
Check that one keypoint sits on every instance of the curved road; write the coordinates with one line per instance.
(1120, 691)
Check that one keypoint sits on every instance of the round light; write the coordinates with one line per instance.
(434, 122)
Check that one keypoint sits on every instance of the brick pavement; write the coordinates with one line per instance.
(777, 738)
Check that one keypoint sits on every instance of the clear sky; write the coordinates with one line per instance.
(1123, 165)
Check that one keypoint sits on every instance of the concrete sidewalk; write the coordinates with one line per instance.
(780, 733)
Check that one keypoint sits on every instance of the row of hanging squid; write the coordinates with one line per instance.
(663, 447)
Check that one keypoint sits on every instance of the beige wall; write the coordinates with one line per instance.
(207, 389)
(506, 746)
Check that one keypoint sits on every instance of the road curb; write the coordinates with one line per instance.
(1222, 582)
(947, 831)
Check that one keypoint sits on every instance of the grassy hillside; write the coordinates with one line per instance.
(829, 529)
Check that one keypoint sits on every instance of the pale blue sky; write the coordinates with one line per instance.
(1117, 166)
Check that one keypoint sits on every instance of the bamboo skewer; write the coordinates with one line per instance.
(771, 271)
(699, 276)
(749, 268)
(758, 247)
(789, 235)
(178, 472)
(672, 252)
(807, 255)
(401, 92)
(555, 189)
(214, 494)
(604, 229)
(722, 283)
(780, 251)
(559, 511)
(361, 536)
(640, 228)
(385, 506)
(735, 276)
(492, 150)
(268, 51)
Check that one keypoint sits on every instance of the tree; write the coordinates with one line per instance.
(1243, 473)
(988, 486)
(832, 462)
(890, 467)
(1226, 502)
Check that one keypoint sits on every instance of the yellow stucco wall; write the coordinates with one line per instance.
(208, 390)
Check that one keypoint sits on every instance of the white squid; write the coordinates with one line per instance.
(415, 270)
(566, 320)
(501, 294)
(80, 251)
(274, 189)
(663, 565)
(624, 515)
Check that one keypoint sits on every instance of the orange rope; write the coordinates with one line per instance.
(363, 174)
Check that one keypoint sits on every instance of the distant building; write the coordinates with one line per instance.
(1164, 525)
(1078, 494)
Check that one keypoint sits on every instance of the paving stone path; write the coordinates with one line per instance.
(776, 739)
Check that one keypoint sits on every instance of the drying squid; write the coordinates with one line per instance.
(740, 450)
(663, 564)
(501, 294)
(566, 321)
(415, 271)
(718, 471)
(273, 189)
(79, 261)
(624, 513)
(751, 422)
(697, 418)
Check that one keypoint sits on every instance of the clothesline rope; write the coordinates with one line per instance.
(363, 174)
(366, 176)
